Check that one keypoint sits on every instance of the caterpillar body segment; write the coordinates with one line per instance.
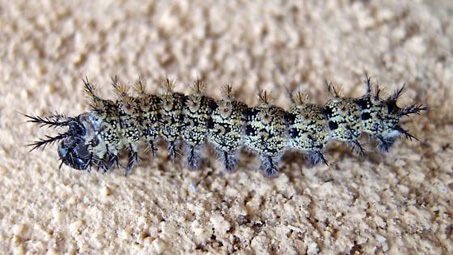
(151, 120)
(226, 129)
(171, 110)
(265, 133)
(307, 131)
(196, 114)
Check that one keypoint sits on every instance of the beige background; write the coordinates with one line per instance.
(396, 203)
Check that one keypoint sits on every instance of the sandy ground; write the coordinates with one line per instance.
(399, 203)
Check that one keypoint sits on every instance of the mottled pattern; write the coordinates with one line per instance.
(106, 137)
(151, 118)
(172, 105)
(196, 113)
(307, 130)
(226, 130)
(266, 130)
(265, 134)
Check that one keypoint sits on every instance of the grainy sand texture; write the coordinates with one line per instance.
(398, 203)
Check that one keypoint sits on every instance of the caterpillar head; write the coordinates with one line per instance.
(73, 148)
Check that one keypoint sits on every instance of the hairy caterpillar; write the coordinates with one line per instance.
(95, 138)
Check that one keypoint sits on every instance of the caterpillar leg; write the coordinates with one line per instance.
(108, 161)
(152, 147)
(193, 156)
(111, 160)
(132, 159)
(269, 165)
(314, 158)
(357, 148)
(173, 150)
(229, 160)
(384, 143)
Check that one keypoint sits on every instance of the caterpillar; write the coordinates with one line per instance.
(95, 138)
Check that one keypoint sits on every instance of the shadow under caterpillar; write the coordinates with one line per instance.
(96, 137)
